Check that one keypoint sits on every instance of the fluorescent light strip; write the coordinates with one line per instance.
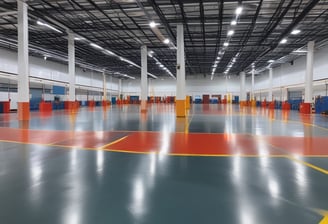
(230, 32)
(239, 9)
(163, 67)
(121, 58)
(283, 41)
(49, 26)
(295, 32)
(95, 46)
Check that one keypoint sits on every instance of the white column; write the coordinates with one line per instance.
(270, 85)
(23, 64)
(253, 85)
(181, 80)
(309, 73)
(104, 87)
(119, 88)
(71, 67)
(284, 94)
(144, 84)
(242, 86)
(111, 88)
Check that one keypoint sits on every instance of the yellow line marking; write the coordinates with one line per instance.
(114, 142)
(200, 155)
(178, 154)
(304, 123)
(324, 220)
(308, 165)
(44, 144)
(324, 214)
(297, 160)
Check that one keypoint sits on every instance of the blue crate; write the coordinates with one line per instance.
(198, 101)
(321, 104)
(214, 101)
(294, 104)
(278, 105)
(113, 100)
(236, 99)
(58, 105)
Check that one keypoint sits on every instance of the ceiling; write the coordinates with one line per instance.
(122, 26)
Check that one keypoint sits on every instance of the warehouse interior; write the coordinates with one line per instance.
(163, 111)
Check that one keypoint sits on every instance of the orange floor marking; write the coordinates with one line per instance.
(173, 143)
(191, 143)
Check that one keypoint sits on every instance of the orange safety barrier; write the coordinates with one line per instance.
(91, 103)
(305, 108)
(285, 106)
(263, 104)
(271, 105)
(23, 111)
(45, 106)
(105, 103)
(71, 105)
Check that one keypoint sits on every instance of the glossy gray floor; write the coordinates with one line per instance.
(47, 184)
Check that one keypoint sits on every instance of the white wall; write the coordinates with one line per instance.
(292, 76)
(285, 76)
(46, 70)
(194, 86)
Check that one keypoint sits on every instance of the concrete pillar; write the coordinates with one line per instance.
(309, 73)
(306, 106)
(23, 63)
(144, 84)
(104, 90)
(104, 87)
(181, 80)
(242, 88)
(270, 85)
(284, 94)
(253, 100)
(111, 87)
(119, 88)
(71, 71)
(253, 85)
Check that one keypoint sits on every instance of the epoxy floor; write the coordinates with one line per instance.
(222, 164)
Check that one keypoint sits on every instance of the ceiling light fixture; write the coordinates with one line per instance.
(79, 38)
(295, 32)
(110, 52)
(239, 10)
(49, 26)
(152, 24)
(166, 41)
(233, 23)
(95, 46)
(226, 44)
(271, 61)
(283, 41)
(231, 32)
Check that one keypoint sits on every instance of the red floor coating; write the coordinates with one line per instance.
(300, 145)
(173, 143)
(193, 143)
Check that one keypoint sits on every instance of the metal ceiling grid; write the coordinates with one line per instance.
(122, 26)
